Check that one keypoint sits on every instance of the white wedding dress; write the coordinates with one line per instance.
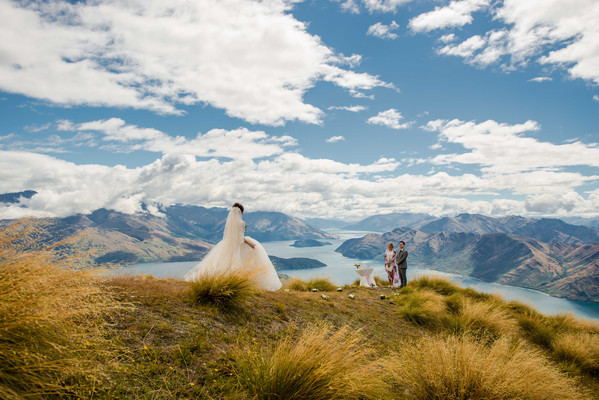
(232, 254)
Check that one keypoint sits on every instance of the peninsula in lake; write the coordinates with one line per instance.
(310, 243)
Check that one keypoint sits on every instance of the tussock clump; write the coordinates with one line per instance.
(580, 348)
(297, 285)
(225, 291)
(50, 319)
(435, 283)
(320, 364)
(424, 307)
(483, 320)
(460, 368)
(322, 284)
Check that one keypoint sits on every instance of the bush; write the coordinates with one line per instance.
(461, 368)
(321, 364)
(50, 320)
(226, 291)
(580, 348)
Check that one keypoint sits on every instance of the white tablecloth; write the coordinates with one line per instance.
(366, 277)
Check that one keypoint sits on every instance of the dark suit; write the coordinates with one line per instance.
(402, 265)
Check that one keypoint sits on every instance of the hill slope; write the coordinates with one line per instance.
(565, 270)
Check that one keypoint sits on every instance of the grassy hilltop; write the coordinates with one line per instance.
(69, 333)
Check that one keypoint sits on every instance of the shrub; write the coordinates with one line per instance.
(580, 348)
(226, 291)
(50, 319)
(461, 368)
(321, 364)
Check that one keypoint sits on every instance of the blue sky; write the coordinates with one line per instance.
(337, 109)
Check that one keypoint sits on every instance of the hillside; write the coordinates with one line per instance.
(565, 270)
(70, 332)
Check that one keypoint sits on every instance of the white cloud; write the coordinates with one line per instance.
(360, 95)
(286, 182)
(350, 6)
(251, 59)
(559, 32)
(465, 49)
(540, 79)
(384, 5)
(236, 144)
(456, 14)
(356, 108)
(334, 139)
(390, 118)
(503, 148)
(596, 97)
(383, 31)
(450, 37)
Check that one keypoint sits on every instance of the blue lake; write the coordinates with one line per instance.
(342, 271)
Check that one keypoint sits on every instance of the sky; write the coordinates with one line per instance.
(338, 109)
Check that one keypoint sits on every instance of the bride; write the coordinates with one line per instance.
(238, 252)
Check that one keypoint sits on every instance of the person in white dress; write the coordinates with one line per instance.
(238, 253)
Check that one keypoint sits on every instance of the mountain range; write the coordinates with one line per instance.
(560, 269)
(550, 255)
(182, 233)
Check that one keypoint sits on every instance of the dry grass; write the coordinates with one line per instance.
(483, 320)
(50, 319)
(448, 368)
(434, 283)
(422, 307)
(226, 291)
(321, 284)
(581, 349)
(321, 364)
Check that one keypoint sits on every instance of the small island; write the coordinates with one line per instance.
(309, 243)
(295, 263)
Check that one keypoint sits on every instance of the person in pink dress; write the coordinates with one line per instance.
(391, 265)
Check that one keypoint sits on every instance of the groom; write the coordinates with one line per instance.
(402, 264)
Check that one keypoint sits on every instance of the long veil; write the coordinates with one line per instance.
(226, 254)
(231, 254)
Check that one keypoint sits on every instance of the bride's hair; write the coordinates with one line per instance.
(238, 206)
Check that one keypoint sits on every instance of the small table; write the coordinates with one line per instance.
(366, 277)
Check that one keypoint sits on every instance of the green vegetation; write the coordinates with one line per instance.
(75, 335)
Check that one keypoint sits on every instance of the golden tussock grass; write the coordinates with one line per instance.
(434, 283)
(455, 368)
(321, 284)
(423, 307)
(226, 291)
(50, 319)
(320, 364)
(581, 349)
(482, 319)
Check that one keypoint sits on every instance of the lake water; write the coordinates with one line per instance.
(341, 270)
